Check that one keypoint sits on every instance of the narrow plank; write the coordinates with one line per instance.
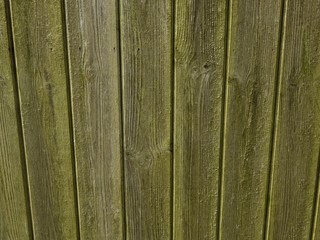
(42, 79)
(200, 31)
(146, 42)
(298, 126)
(95, 87)
(251, 77)
(14, 206)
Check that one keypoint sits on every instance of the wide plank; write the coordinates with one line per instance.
(253, 46)
(95, 89)
(200, 39)
(297, 141)
(146, 46)
(42, 82)
(15, 221)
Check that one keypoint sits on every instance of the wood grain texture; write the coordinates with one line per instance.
(14, 206)
(250, 92)
(95, 87)
(42, 82)
(199, 81)
(297, 144)
(147, 78)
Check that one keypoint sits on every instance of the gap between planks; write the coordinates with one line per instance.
(224, 106)
(123, 182)
(276, 109)
(173, 97)
(71, 123)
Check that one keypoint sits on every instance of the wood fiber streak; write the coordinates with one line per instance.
(251, 79)
(14, 215)
(95, 89)
(147, 78)
(42, 79)
(199, 77)
(298, 128)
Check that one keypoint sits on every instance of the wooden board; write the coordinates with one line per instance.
(297, 142)
(199, 83)
(95, 87)
(254, 28)
(146, 40)
(15, 222)
(42, 82)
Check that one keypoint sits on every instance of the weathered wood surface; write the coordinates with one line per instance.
(142, 120)
(253, 43)
(15, 222)
(296, 153)
(95, 89)
(42, 82)
(146, 41)
(199, 83)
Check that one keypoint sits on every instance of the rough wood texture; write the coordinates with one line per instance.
(298, 127)
(42, 79)
(95, 87)
(251, 76)
(160, 119)
(199, 77)
(147, 78)
(14, 208)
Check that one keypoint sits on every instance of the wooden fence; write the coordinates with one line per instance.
(159, 119)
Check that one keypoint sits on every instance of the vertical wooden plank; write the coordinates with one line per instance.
(147, 78)
(251, 80)
(42, 81)
(95, 86)
(14, 215)
(200, 31)
(297, 142)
